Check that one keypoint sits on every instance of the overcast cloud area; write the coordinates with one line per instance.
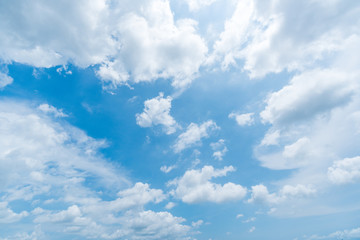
(188, 119)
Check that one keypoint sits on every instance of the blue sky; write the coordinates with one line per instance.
(188, 119)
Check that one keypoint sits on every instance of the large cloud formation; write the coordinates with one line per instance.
(128, 41)
(55, 170)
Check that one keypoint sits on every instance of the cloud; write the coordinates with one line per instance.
(219, 149)
(252, 219)
(170, 205)
(195, 5)
(124, 40)
(252, 229)
(167, 169)
(193, 135)
(157, 112)
(260, 194)
(309, 94)
(345, 234)
(66, 185)
(276, 36)
(5, 80)
(154, 46)
(345, 171)
(8, 215)
(245, 119)
(195, 186)
(46, 108)
(239, 215)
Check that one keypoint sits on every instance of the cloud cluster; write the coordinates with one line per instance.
(128, 41)
(67, 187)
(219, 149)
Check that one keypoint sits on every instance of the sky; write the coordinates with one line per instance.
(179, 119)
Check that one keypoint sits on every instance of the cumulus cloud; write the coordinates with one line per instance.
(309, 94)
(219, 149)
(264, 36)
(345, 171)
(245, 119)
(195, 186)
(129, 41)
(157, 112)
(45, 163)
(193, 135)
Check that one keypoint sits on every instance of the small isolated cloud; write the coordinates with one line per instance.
(252, 229)
(170, 205)
(167, 169)
(193, 135)
(195, 186)
(260, 194)
(240, 215)
(252, 219)
(157, 112)
(197, 223)
(245, 119)
(345, 171)
(219, 149)
(46, 108)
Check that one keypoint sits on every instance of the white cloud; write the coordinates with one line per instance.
(195, 186)
(154, 46)
(276, 36)
(195, 5)
(157, 112)
(260, 194)
(309, 94)
(345, 171)
(5, 80)
(219, 149)
(270, 138)
(252, 229)
(42, 160)
(9, 216)
(193, 135)
(197, 223)
(345, 234)
(131, 41)
(46, 108)
(167, 169)
(170, 205)
(245, 119)
(239, 215)
(252, 219)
